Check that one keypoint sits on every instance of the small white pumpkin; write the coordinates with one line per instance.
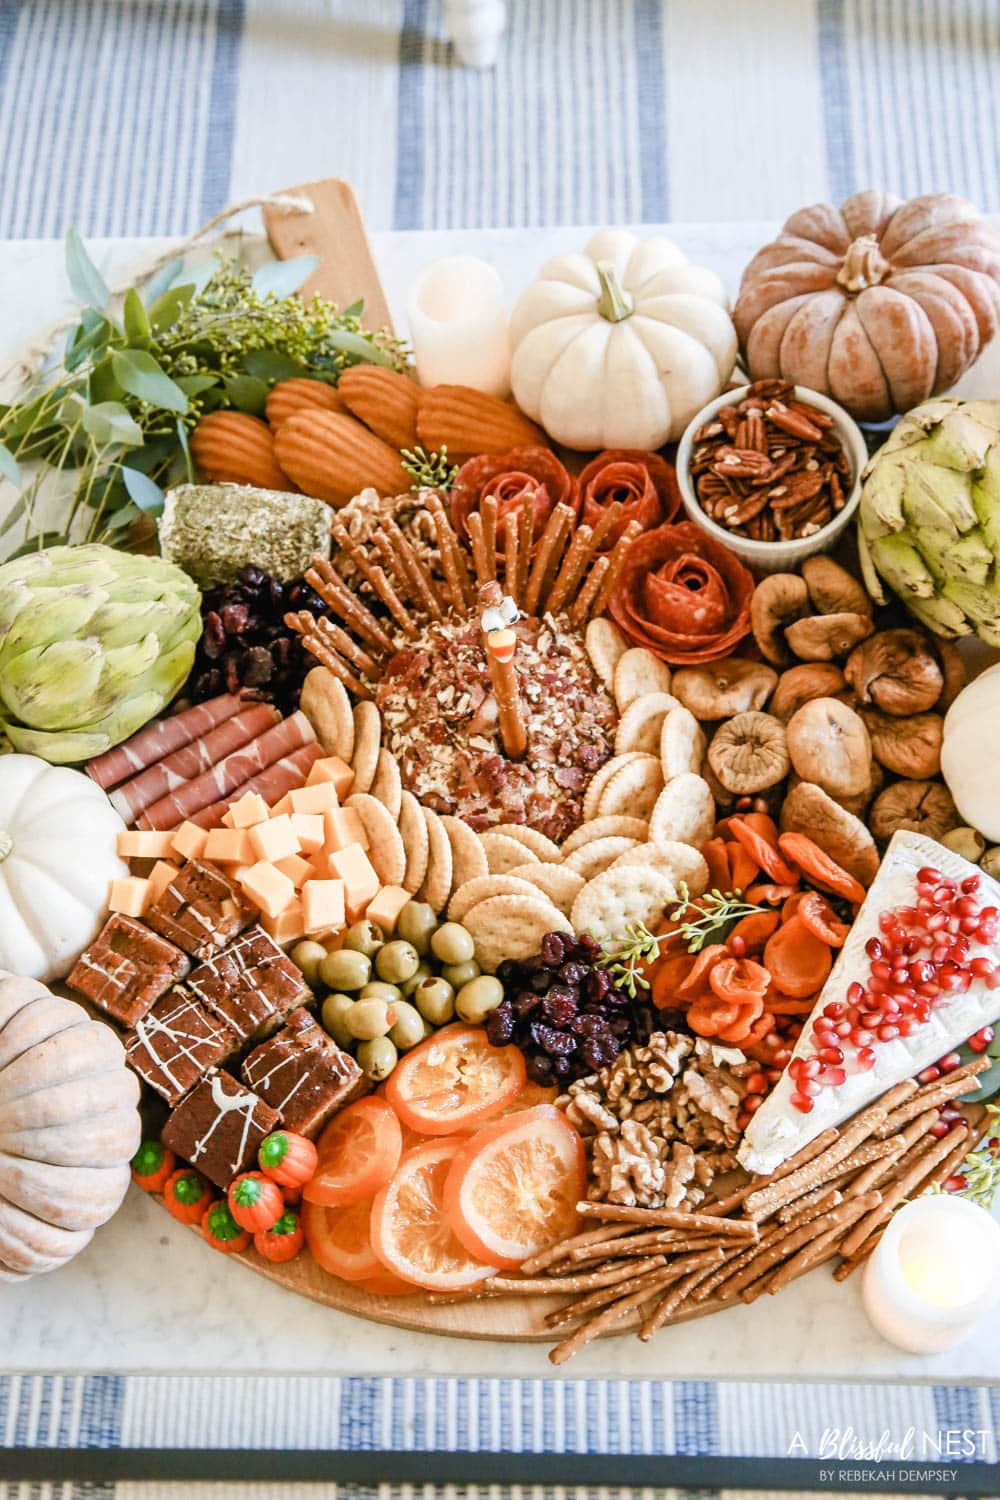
(971, 730)
(58, 838)
(620, 346)
(68, 1127)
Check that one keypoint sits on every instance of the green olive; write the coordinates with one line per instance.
(415, 924)
(368, 1019)
(377, 1058)
(308, 956)
(476, 999)
(397, 961)
(435, 1000)
(377, 989)
(452, 944)
(459, 974)
(364, 937)
(345, 969)
(424, 971)
(409, 1027)
(335, 1008)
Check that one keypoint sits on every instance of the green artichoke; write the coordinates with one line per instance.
(929, 520)
(93, 644)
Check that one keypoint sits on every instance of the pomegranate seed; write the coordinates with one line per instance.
(795, 1067)
(950, 1062)
(811, 1087)
(986, 934)
(906, 1025)
(752, 1104)
(927, 875)
(944, 892)
(993, 980)
(861, 1038)
(756, 1084)
(955, 1184)
(865, 1059)
(810, 1067)
(965, 906)
(737, 946)
(969, 884)
(855, 993)
(803, 1103)
(834, 1077)
(928, 1074)
(871, 1018)
(831, 1055)
(990, 914)
(980, 967)
(940, 1129)
(888, 1033)
(873, 948)
(843, 1029)
(836, 1010)
(969, 925)
(936, 922)
(982, 1039)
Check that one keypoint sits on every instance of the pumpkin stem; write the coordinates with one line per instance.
(863, 266)
(615, 303)
(6, 844)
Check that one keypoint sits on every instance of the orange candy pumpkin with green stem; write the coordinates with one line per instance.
(283, 1241)
(220, 1230)
(255, 1202)
(288, 1159)
(186, 1195)
(152, 1165)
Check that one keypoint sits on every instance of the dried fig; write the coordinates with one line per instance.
(825, 637)
(828, 744)
(907, 747)
(811, 679)
(723, 688)
(990, 862)
(954, 672)
(807, 809)
(777, 601)
(724, 798)
(918, 806)
(832, 590)
(968, 842)
(859, 805)
(897, 671)
(749, 753)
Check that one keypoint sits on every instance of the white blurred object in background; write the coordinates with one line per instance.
(475, 27)
(458, 325)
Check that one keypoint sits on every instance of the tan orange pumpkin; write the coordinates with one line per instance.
(878, 303)
(68, 1127)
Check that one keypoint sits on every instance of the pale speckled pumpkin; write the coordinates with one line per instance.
(69, 1127)
(878, 303)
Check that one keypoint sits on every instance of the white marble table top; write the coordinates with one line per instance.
(147, 1296)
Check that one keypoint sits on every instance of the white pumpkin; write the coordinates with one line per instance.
(58, 837)
(968, 752)
(620, 346)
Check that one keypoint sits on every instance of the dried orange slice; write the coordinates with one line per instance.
(409, 1231)
(513, 1188)
(358, 1153)
(339, 1241)
(453, 1081)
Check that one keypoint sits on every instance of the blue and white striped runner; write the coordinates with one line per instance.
(132, 117)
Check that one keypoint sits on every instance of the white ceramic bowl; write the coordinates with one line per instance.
(775, 557)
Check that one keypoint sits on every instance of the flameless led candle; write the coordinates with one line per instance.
(458, 326)
(933, 1274)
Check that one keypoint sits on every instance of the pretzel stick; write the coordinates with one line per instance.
(415, 571)
(348, 647)
(346, 605)
(374, 576)
(324, 653)
(727, 1274)
(619, 555)
(475, 525)
(511, 553)
(574, 565)
(669, 1218)
(525, 541)
(547, 557)
(488, 511)
(610, 517)
(845, 1212)
(803, 1260)
(388, 554)
(941, 1091)
(611, 1315)
(670, 1241)
(573, 1311)
(584, 604)
(550, 1285)
(678, 1294)
(503, 676)
(544, 1258)
(739, 1195)
(452, 560)
(896, 1192)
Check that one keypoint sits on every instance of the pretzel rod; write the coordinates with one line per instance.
(388, 555)
(845, 1212)
(587, 1332)
(619, 554)
(669, 1218)
(475, 525)
(345, 604)
(547, 557)
(792, 1213)
(348, 647)
(588, 1281)
(415, 571)
(393, 603)
(353, 549)
(488, 511)
(327, 657)
(511, 553)
(503, 676)
(525, 540)
(679, 1293)
(897, 1191)
(741, 1194)
(452, 558)
(805, 1258)
(670, 1241)
(939, 1092)
(610, 517)
(671, 1272)
(574, 565)
(585, 599)
(725, 1280)
(601, 1234)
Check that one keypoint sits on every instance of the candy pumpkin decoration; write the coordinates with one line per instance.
(68, 1127)
(878, 304)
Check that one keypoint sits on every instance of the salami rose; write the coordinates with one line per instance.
(682, 595)
(643, 482)
(511, 477)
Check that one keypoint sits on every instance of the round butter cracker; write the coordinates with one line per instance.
(326, 705)
(638, 672)
(367, 742)
(634, 893)
(684, 811)
(558, 882)
(605, 645)
(387, 786)
(591, 858)
(385, 844)
(416, 842)
(511, 927)
(484, 886)
(437, 882)
(633, 789)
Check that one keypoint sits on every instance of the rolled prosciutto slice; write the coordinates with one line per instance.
(223, 779)
(161, 738)
(133, 797)
(284, 776)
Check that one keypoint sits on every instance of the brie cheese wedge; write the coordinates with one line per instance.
(778, 1129)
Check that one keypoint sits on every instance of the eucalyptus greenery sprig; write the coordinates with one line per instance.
(715, 913)
(103, 430)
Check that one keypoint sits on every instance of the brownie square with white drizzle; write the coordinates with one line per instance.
(126, 969)
(174, 1045)
(303, 1074)
(218, 1128)
(251, 985)
(201, 910)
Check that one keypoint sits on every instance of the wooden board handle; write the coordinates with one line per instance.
(336, 232)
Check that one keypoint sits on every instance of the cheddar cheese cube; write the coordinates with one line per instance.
(250, 809)
(297, 869)
(332, 768)
(145, 844)
(313, 799)
(310, 831)
(323, 905)
(159, 878)
(229, 846)
(385, 908)
(268, 888)
(189, 840)
(282, 806)
(361, 884)
(275, 839)
(129, 896)
(342, 827)
(288, 926)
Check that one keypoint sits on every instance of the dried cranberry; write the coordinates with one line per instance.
(556, 1043)
(588, 948)
(540, 1069)
(234, 618)
(524, 1002)
(573, 972)
(597, 985)
(559, 1009)
(500, 1026)
(553, 949)
(509, 972)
